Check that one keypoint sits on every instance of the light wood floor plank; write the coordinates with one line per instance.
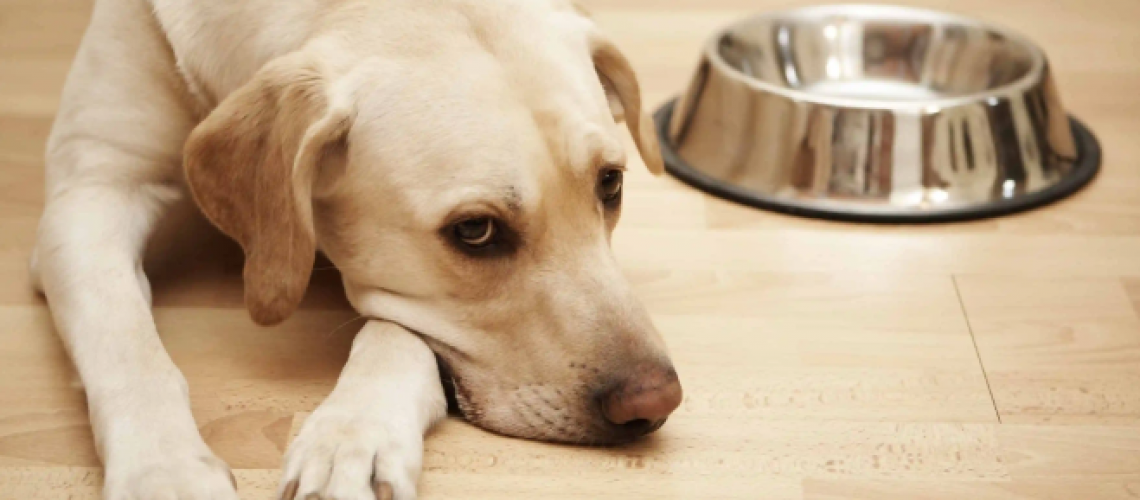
(1071, 452)
(1042, 489)
(1057, 350)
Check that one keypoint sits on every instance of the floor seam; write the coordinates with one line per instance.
(974, 340)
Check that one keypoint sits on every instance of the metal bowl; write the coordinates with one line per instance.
(874, 113)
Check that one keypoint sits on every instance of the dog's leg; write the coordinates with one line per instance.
(89, 265)
(112, 171)
(366, 440)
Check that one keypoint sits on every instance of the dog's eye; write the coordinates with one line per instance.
(476, 233)
(609, 186)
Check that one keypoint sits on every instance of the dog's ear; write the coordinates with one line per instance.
(624, 95)
(251, 165)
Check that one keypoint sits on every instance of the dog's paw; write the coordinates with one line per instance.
(349, 456)
(181, 476)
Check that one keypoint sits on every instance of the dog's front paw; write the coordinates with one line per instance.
(172, 475)
(350, 456)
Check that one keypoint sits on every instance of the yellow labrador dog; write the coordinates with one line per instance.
(458, 160)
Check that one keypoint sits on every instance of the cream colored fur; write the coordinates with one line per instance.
(361, 129)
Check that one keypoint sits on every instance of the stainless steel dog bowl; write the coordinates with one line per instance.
(875, 113)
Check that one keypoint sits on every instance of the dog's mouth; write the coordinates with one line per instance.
(589, 428)
(460, 404)
(447, 378)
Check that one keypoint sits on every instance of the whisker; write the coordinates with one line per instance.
(342, 325)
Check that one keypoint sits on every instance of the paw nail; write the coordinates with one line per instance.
(382, 490)
(290, 491)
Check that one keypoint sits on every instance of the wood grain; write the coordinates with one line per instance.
(992, 360)
(1057, 350)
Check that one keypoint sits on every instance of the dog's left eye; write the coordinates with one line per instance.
(609, 186)
(476, 233)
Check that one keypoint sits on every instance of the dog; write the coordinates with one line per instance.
(459, 161)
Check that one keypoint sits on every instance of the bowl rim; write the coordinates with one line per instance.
(1037, 73)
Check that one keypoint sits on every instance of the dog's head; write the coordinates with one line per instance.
(468, 193)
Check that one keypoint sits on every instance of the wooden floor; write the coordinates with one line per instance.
(995, 360)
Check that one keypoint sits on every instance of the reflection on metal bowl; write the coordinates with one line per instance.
(873, 113)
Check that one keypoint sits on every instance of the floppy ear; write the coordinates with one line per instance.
(624, 95)
(251, 165)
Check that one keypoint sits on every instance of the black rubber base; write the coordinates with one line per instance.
(1087, 166)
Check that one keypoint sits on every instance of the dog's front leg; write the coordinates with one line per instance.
(366, 440)
(88, 264)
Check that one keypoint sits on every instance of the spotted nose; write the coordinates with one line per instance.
(644, 399)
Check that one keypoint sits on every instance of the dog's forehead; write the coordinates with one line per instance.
(564, 94)
(494, 119)
(426, 116)
(436, 152)
(520, 135)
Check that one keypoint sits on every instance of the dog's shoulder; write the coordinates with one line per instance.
(219, 44)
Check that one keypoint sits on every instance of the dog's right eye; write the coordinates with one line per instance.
(476, 233)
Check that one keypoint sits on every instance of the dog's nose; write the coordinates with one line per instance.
(650, 395)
